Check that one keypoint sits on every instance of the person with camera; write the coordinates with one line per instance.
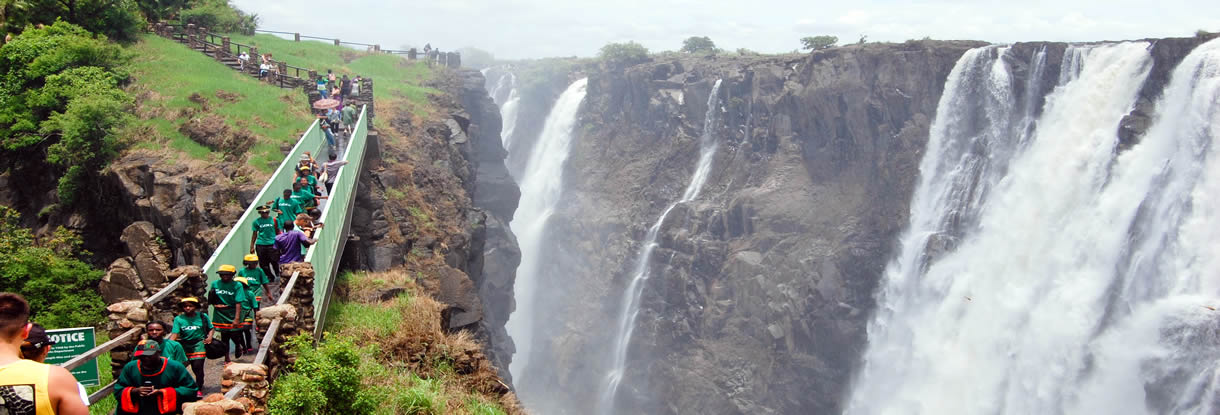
(152, 384)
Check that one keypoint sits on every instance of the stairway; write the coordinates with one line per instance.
(251, 68)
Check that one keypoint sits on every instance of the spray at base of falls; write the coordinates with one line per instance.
(540, 189)
(635, 288)
(1050, 272)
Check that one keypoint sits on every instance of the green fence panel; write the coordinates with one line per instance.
(325, 254)
(236, 244)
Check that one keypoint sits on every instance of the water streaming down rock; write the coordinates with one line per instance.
(504, 92)
(540, 189)
(1043, 271)
(635, 287)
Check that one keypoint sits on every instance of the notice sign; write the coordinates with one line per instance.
(70, 343)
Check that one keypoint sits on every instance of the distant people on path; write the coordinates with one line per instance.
(171, 349)
(193, 330)
(335, 117)
(291, 243)
(356, 86)
(345, 86)
(226, 298)
(243, 59)
(152, 384)
(263, 69)
(348, 117)
(26, 386)
(332, 170)
(330, 135)
(37, 346)
(330, 79)
(325, 93)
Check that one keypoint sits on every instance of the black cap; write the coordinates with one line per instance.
(38, 337)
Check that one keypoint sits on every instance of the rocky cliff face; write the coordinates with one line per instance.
(762, 285)
(435, 199)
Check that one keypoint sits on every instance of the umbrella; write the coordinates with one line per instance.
(325, 104)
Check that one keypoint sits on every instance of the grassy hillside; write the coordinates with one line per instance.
(397, 80)
(174, 84)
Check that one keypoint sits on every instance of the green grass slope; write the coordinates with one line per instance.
(397, 80)
(167, 74)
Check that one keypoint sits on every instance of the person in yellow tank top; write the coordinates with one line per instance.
(28, 387)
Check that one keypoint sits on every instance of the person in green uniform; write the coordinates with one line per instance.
(227, 297)
(306, 178)
(193, 329)
(256, 277)
(152, 384)
(286, 209)
(247, 321)
(305, 199)
(263, 229)
(172, 350)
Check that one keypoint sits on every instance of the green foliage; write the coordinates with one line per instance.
(746, 52)
(424, 397)
(119, 20)
(819, 42)
(382, 320)
(61, 91)
(617, 55)
(220, 16)
(476, 58)
(1203, 33)
(324, 380)
(697, 44)
(58, 285)
(158, 10)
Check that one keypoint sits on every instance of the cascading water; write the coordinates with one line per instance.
(631, 296)
(540, 188)
(505, 95)
(1043, 270)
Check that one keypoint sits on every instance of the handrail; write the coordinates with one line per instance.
(93, 353)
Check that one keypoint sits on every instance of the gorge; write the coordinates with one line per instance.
(1007, 220)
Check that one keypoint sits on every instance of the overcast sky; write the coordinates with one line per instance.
(541, 28)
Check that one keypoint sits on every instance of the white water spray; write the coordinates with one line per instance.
(506, 96)
(635, 288)
(540, 188)
(1076, 281)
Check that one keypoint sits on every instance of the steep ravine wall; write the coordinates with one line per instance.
(762, 286)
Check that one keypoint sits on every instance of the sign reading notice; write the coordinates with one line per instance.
(70, 343)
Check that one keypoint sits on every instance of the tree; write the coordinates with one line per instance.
(696, 44)
(819, 42)
(618, 55)
(48, 273)
(119, 20)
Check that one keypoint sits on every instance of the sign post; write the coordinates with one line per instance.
(70, 343)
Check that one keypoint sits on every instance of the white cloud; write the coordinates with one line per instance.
(537, 28)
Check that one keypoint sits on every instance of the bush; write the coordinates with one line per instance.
(49, 273)
(617, 55)
(220, 16)
(819, 42)
(119, 20)
(696, 44)
(324, 380)
(60, 96)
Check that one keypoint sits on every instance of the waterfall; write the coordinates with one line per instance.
(1043, 271)
(505, 94)
(635, 288)
(540, 188)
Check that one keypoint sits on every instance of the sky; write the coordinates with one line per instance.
(516, 29)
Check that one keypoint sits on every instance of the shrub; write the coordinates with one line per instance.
(49, 273)
(119, 20)
(220, 16)
(819, 42)
(324, 380)
(617, 55)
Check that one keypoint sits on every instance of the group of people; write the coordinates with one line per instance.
(265, 67)
(158, 380)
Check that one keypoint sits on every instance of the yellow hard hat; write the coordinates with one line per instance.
(226, 269)
(242, 280)
(250, 258)
(189, 300)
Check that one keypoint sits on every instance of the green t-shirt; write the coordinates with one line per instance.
(173, 350)
(228, 293)
(289, 208)
(257, 278)
(191, 329)
(349, 114)
(305, 198)
(265, 229)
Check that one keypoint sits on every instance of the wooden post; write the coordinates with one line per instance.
(411, 54)
(376, 48)
(296, 37)
(190, 35)
(336, 42)
(226, 44)
(313, 75)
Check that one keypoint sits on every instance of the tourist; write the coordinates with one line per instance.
(345, 86)
(152, 384)
(37, 346)
(226, 298)
(291, 243)
(348, 117)
(247, 320)
(330, 79)
(335, 118)
(332, 171)
(356, 86)
(330, 136)
(287, 208)
(322, 88)
(242, 59)
(27, 386)
(263, 69)
(262, 230)
(173, 350)
(193, 329)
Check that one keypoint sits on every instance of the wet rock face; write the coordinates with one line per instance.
(760, 287)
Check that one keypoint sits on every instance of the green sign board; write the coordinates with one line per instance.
(70, 343)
